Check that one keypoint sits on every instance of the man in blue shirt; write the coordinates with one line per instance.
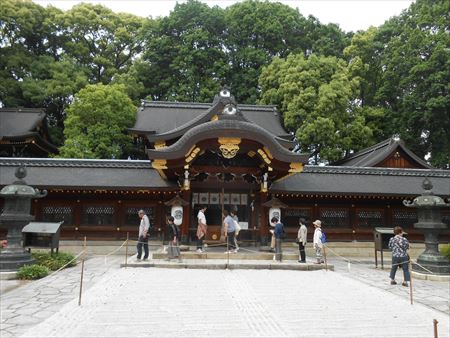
(278, 232)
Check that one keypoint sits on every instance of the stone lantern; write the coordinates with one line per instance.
(430, 223)
(15, 216)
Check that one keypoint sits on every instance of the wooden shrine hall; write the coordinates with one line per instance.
(224, 155)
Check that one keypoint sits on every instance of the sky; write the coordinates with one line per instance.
(350, 15)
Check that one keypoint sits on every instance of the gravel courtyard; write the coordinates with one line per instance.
(149, 302)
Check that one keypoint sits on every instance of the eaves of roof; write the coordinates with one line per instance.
(225, 128)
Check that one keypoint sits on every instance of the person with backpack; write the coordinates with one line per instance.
(173, 250)
(318, 241)
(278, 233)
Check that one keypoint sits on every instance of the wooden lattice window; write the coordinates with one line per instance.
(404, 218)
(370, 218)
(57, 213)
(132, 217)
(335, 217)
(98, 215)
(291, 217)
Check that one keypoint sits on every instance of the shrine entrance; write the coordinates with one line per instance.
(223, 160)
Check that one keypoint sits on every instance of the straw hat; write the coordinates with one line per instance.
(317, 223)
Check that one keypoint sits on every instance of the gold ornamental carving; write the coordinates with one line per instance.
(229, 146)
(160, 144)
(264, 156)
(159, 164)
(192, 154)
(295, 167)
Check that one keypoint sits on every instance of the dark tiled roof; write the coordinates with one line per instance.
(363, 181)
(164, 117)
(224, 128)
(84, 174)
(375, 154)
(20, 126)
(19, 122)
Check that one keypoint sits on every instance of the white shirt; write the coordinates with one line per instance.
(317, 237)
(144, 226)
(201, 217)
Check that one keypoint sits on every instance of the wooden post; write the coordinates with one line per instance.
(435, 323)
(325, 257)
(410, 282)
(82, 270)
(126, 250)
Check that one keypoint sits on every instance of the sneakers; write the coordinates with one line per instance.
(145, 259)
(302, 261)
(405, 284)
(393, 282)
(199, 250)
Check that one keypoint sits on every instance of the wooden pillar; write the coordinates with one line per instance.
(159, 216)
(264, 219)
(77, 217)
(187, 210)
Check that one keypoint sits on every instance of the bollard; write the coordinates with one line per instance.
(435, 323)
(228, 254)
(126, 251)
(82, 270)
(410, 282)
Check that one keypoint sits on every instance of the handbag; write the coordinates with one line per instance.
(297, 240)
(237, 228)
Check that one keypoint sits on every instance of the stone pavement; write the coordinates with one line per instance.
(198, 303)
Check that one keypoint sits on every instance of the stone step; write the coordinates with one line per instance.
(216, 264)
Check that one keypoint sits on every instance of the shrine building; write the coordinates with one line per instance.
(225, 155)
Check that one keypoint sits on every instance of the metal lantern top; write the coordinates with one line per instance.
(427, 199)
(20, 189)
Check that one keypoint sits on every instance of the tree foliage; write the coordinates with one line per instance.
(96, 123)
(318, 98)
(395, 78)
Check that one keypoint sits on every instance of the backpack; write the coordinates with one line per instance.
(323, 238)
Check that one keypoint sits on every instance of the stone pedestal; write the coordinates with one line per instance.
(430, 224)
(15, 216)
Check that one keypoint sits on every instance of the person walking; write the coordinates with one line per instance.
(301, 238)
(144, 227)
(317, 241)
(278, 233)
(229, 231)
(237, 228)
(173, 250)
(399, 246)
(201, 228)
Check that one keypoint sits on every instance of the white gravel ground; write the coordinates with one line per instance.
(146, 302)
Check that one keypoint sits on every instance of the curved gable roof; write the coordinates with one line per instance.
(377, 153)
(168, 120)
(223, 128)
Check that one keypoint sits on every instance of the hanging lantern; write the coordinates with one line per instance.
(275, 206)
(176, 212)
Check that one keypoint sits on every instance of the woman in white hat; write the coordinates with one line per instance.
(317, 241)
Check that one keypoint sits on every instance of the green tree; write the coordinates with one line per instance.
(258, 31)
(102, 41)
(184, 58)
(416, 76)
(96, 123)
(318, 97)
(27, 31)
